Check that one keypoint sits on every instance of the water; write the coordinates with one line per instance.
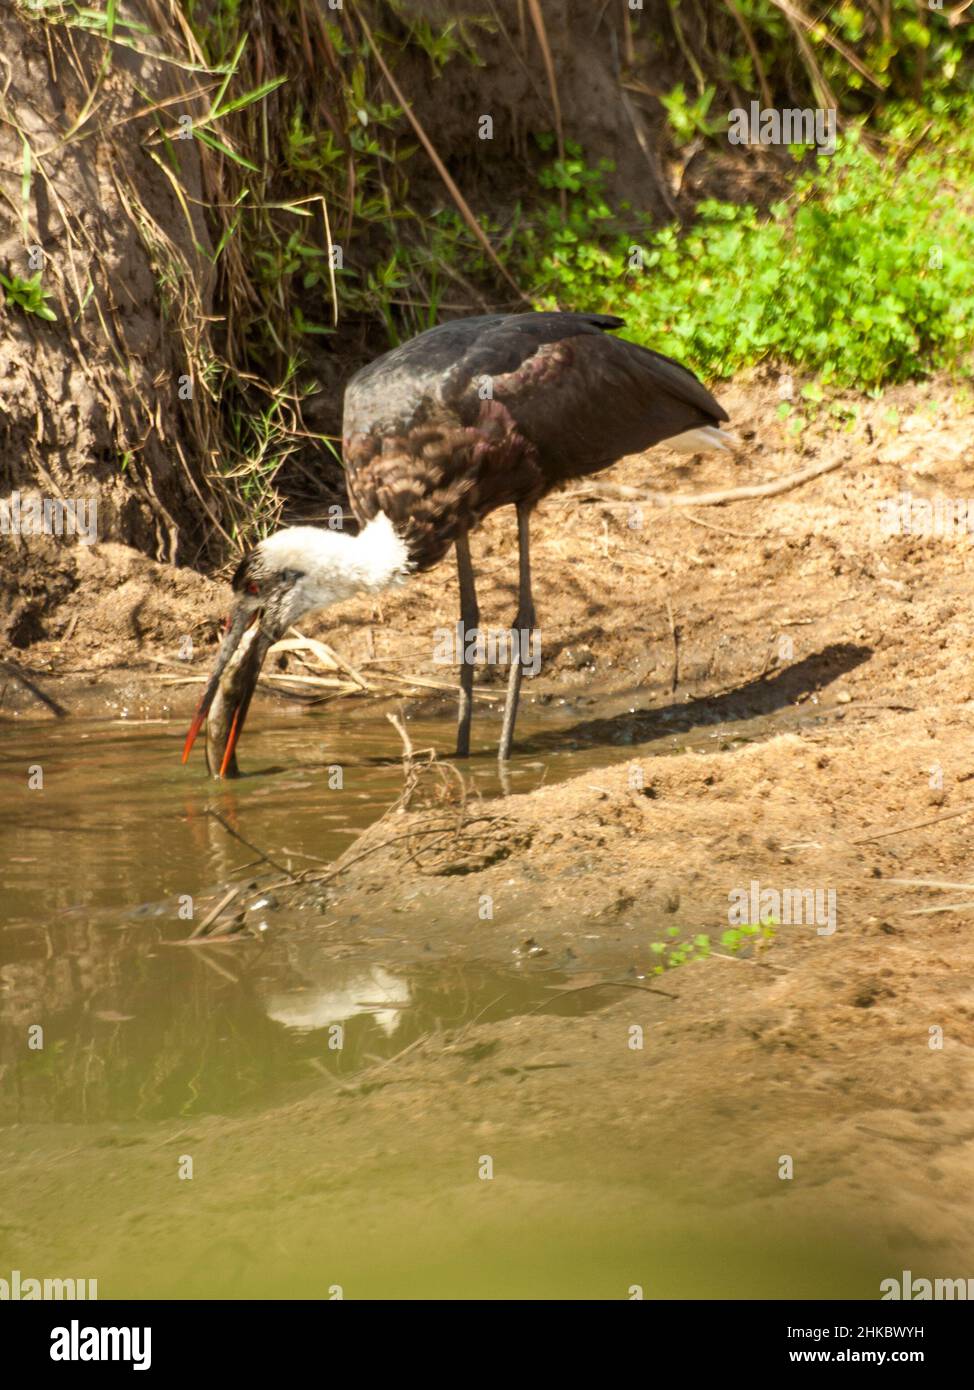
(101, 857)
(250, 1058)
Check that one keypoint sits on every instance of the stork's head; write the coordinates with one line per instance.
(292, 573)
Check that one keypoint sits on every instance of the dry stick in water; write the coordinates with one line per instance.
(57, 710)
(256, 848)
(408, 761)
(407, 742)
(237, 888)
(214, 912)
(412, 770)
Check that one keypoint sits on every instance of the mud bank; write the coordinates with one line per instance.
(843, 1044)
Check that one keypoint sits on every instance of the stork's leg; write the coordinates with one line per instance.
(524, 622)
(469, 620)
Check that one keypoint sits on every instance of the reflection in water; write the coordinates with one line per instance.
(352, 992)
(139, 1027)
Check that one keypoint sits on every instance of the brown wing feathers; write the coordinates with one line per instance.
(488, 411)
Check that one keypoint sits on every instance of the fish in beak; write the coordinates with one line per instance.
(226, 699)
(267, 600)
(296, 571)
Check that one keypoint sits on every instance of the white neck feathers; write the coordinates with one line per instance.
(334, 566)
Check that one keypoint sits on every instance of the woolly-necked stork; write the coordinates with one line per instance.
(472, 415)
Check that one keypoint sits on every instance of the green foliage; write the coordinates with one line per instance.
(903, 50)
(678, 950)
(750, 933)
(687, 118)
(441, 45)
(28, 295)
(862, 274)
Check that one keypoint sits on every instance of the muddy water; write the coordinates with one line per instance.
(143, 1036)
(101, 861)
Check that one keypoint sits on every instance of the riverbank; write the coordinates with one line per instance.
(783, 1112)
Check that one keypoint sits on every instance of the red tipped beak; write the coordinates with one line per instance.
(239, 715)
(199, 719)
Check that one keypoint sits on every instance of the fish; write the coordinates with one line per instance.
(226, 699)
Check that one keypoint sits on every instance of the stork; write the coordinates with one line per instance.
(472, 415)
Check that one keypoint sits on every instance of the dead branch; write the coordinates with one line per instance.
(912, 825)
(621, 492)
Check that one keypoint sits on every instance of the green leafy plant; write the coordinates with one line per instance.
(688, 119)
(678, 951)
(759, 934)
(28, 295)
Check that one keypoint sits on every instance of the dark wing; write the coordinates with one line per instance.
(586, 399)
(500, 408)
(424, 445)
(402, 387)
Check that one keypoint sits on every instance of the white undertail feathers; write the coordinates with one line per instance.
(701, 441)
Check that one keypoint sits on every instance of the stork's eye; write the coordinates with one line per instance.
(252, 589)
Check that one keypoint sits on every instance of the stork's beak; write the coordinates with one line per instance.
(228, 693)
